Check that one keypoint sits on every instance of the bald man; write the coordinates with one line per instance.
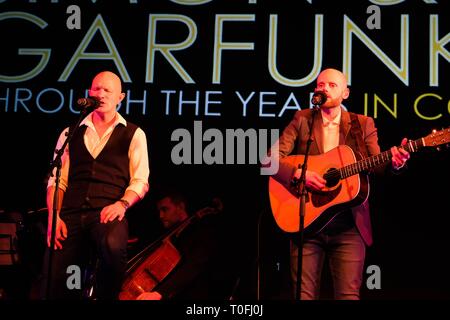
(345, 237)
(105, 171)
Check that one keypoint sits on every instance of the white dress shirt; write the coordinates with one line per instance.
(330, 131)
(137, 154)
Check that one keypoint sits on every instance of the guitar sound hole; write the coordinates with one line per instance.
(332, 177)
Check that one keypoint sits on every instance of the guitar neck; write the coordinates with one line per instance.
(374, 161)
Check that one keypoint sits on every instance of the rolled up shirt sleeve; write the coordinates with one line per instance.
(139, 164)
(65, 163)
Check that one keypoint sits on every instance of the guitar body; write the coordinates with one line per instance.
(321, 207)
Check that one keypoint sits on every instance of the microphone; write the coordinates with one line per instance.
(90, 102)
(319, 98)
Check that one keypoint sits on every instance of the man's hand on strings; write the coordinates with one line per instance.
(399, 155)
(314, 181)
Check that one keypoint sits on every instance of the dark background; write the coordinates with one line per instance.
(410, 212)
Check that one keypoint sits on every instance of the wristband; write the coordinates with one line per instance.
(125, 203)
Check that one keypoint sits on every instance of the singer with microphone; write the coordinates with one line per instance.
(345, 235)
(104, 171)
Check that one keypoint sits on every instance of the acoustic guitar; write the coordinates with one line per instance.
(346, 184)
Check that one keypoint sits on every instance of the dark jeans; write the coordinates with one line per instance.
(346, 253)
(87, 236)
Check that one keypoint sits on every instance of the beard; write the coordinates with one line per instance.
(331, 103)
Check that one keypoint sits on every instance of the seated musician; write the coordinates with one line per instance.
(197, 244)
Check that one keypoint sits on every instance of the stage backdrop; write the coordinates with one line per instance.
(201, 74)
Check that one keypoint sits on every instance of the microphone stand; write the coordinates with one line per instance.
(57, 163)
(301, 185)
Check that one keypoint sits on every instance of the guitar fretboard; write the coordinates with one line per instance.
(374, 161)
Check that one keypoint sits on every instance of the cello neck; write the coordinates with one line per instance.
(174, 231)
(155, 244)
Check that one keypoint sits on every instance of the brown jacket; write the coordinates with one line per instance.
(293, 141)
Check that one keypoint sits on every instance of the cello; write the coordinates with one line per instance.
(155, 262)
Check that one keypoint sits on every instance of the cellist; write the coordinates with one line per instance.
(197, 244)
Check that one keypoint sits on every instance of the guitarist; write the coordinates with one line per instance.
(345, 238)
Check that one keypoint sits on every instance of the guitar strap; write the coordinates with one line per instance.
(357, 134)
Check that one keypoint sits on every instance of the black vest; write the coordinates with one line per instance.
(96, 183)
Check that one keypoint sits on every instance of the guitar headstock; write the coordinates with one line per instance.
(437, 138)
